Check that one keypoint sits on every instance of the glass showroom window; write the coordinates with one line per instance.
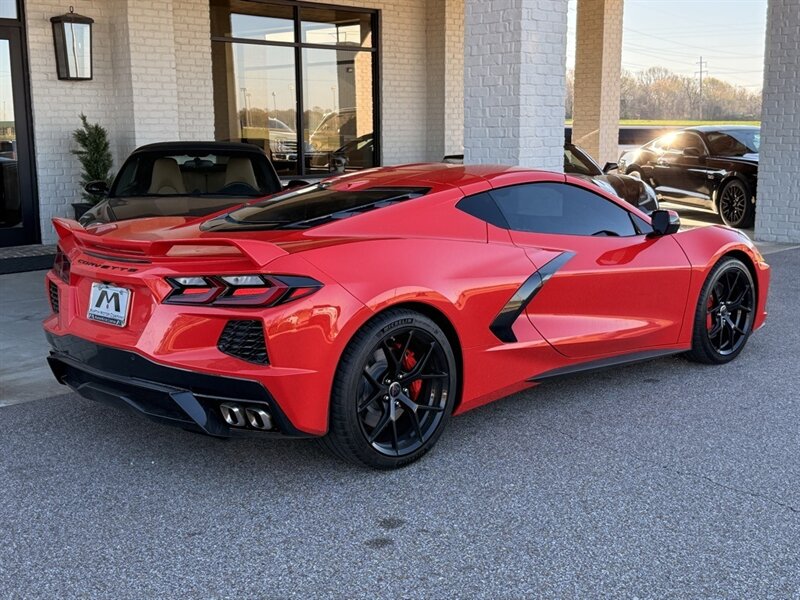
(299, 81)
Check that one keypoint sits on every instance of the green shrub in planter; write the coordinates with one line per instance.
(94, 154)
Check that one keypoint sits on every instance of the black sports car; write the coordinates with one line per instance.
(578, 163)
(709, 167)
(183, 179)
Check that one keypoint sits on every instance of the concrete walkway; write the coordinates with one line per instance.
(24, 374)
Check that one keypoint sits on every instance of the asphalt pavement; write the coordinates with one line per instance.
(660, 480)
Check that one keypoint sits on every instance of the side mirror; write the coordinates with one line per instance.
(339, 163)
(96, 188)
(692, 152)
(610, 166)
(295, 183)
(664, 222)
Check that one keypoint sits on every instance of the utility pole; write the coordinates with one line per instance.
(702, 64)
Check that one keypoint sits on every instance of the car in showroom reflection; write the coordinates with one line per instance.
(355, 154)
(710, 167)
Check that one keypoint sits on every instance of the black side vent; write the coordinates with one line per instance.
(244, 340)
(53, 290)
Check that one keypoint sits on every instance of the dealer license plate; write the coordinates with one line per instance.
(109, 304)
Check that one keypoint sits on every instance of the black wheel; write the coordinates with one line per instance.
(725, 312)
(393, 392)
(735, 206)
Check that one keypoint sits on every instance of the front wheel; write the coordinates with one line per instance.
(725, 313)
(393, 392)
(735, 206)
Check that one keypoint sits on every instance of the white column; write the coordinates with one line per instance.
(598, 57)
(778, 204)
(514, 82)
(445, 69)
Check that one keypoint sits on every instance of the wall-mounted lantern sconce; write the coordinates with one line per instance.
(72, 35)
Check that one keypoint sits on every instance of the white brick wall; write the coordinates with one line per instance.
(778, 208)
(152, 82)
(515, 76)
(57, 104)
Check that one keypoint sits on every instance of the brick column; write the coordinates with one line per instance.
(164, 70)
(598, 54)
(514, 82)
(778, 206)
(445, 70)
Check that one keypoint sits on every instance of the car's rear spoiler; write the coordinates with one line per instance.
(72, 235)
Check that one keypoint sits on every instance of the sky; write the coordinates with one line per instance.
(728, 34)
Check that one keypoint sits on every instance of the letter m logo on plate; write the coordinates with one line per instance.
(106, 298)
(109, 304)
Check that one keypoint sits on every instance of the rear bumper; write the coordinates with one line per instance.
(178, 397)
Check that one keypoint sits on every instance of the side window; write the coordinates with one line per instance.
(561, 208)
(686, 140)
(483, 207)
(661, 144)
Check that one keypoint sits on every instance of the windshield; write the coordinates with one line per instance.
(232, 174)
(576, 163)
(311, 206)
(734, 142)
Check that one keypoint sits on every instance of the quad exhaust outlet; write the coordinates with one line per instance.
(251, 417)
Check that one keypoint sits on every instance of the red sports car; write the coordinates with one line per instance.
(369, 308)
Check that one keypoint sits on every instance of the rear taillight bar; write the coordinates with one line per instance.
(239, 290)
(61, 266)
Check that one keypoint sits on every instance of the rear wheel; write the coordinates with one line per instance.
(735, 206)
(393, 392)
(725, 313)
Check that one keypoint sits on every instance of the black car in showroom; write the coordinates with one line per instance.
(710, 167)
(183, 179)
(578, 163)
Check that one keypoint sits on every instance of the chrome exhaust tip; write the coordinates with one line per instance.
(233, 414)
(259, 418)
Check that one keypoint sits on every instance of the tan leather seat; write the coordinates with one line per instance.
(167, 177)
(240, 170)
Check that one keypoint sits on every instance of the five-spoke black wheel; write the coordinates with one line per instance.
(394, 391)
(735, 206)
(725, 313)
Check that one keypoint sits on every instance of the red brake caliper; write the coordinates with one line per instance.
(409, 360)
(709, 318)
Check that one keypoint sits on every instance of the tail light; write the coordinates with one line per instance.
(61, 265)
(240, 290)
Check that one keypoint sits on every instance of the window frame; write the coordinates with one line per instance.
(298, 45)
(464, 204)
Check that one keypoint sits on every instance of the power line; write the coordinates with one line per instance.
(703, 48)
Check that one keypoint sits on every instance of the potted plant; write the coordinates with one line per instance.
(94, 155)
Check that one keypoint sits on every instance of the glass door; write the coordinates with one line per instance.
(18, 219)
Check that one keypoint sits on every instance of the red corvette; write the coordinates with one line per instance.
(369, 308)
